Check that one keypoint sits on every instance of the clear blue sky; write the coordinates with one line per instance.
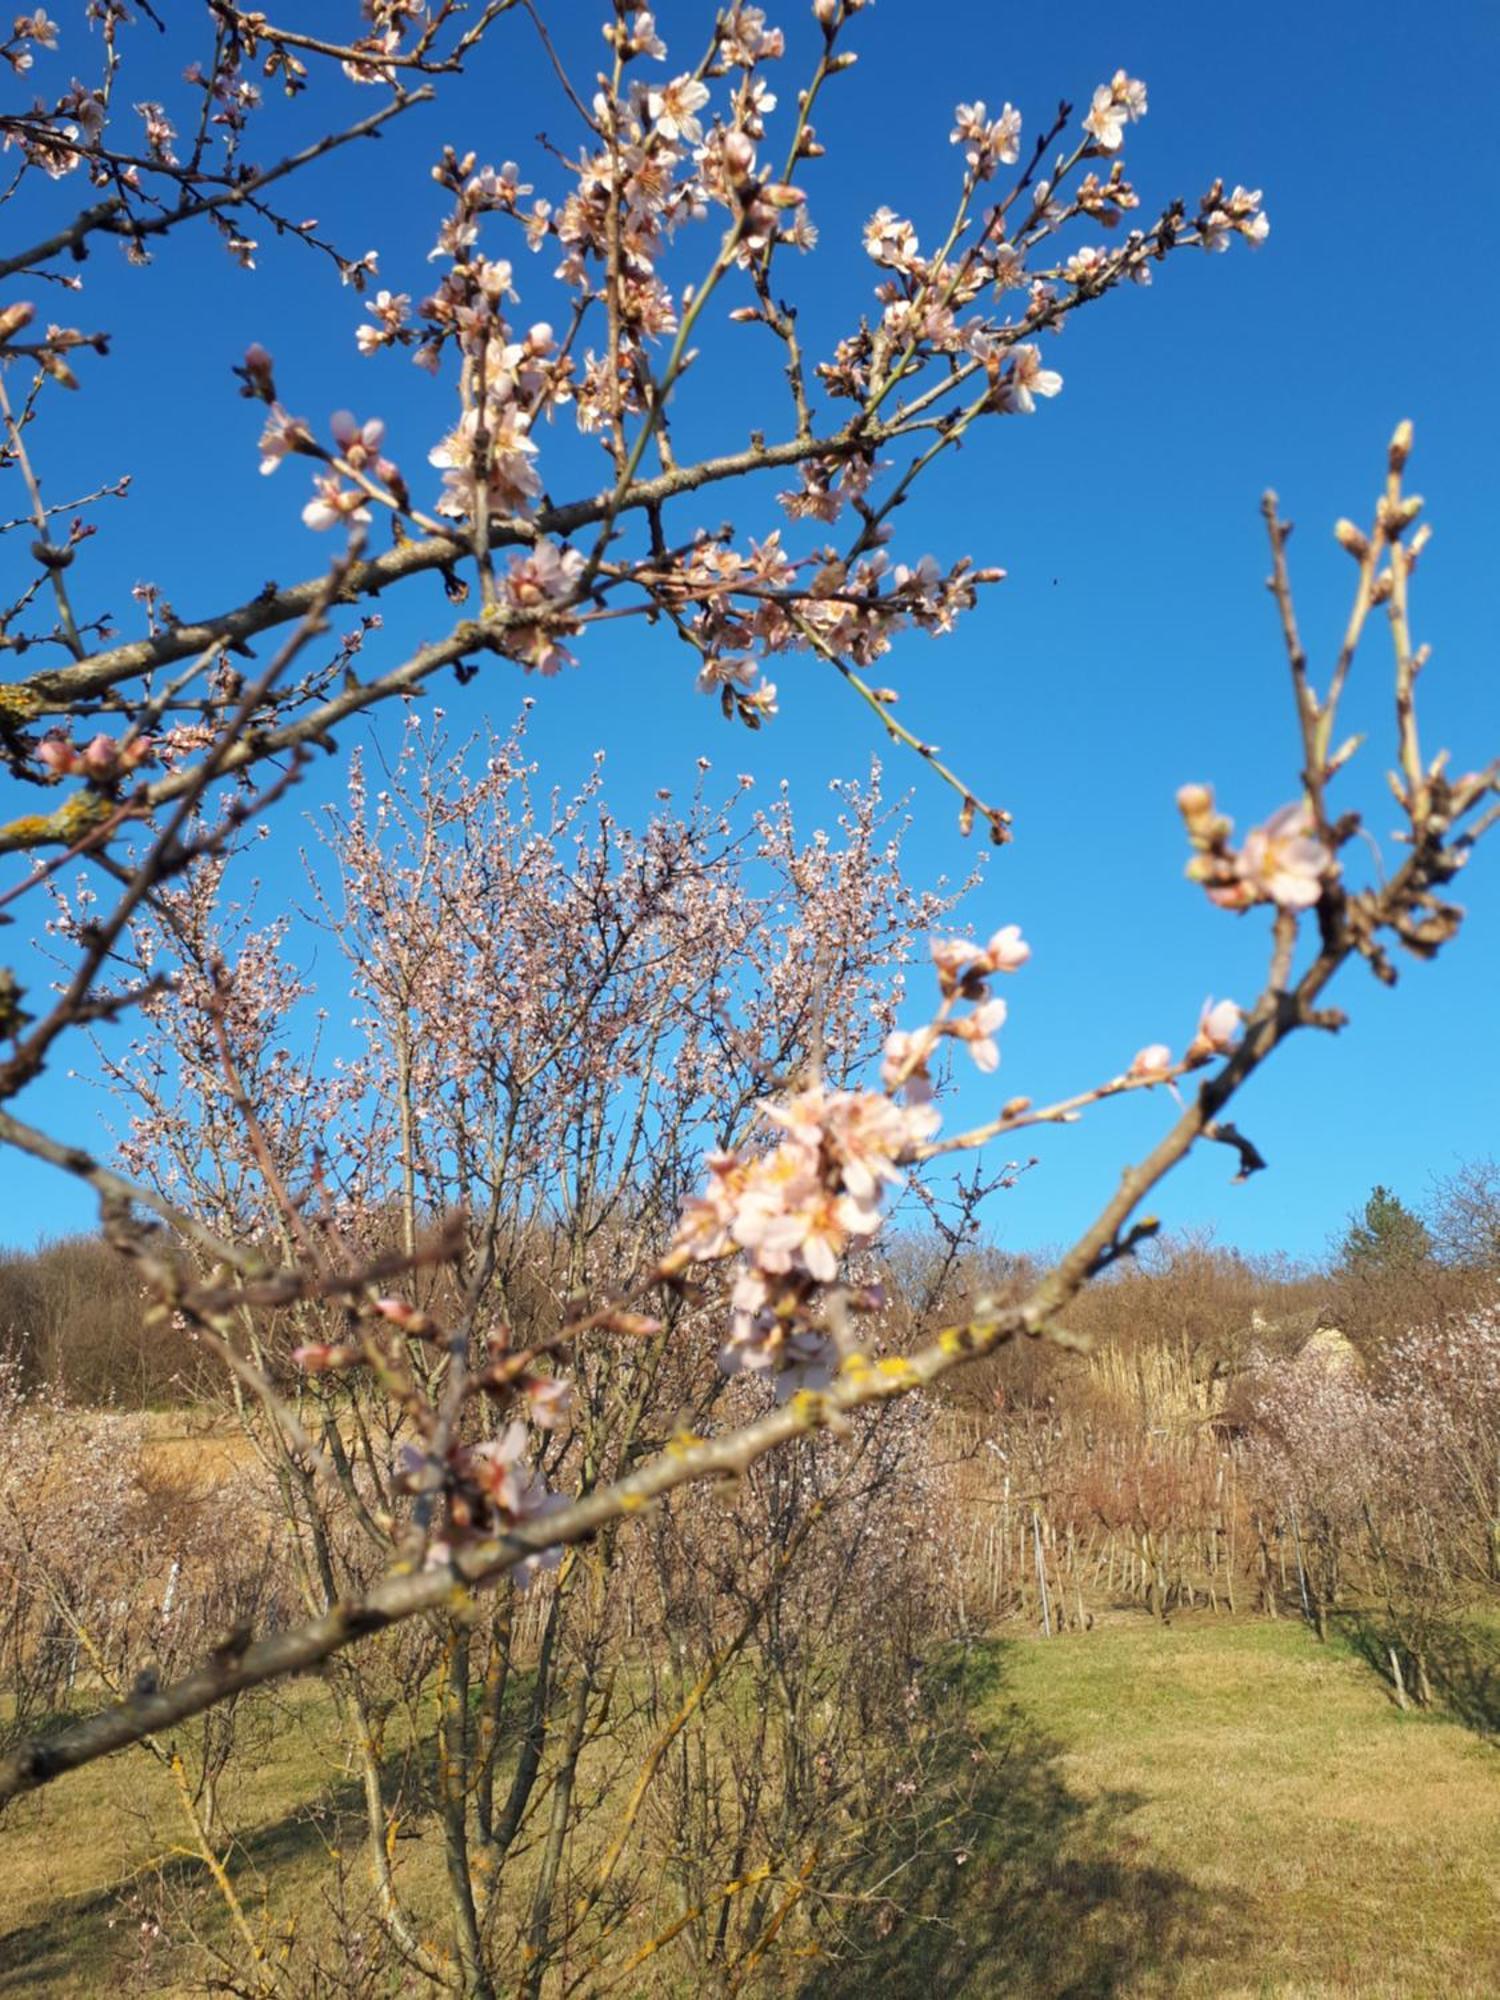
(1132, 647)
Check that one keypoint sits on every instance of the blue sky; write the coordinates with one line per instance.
(1133, 645)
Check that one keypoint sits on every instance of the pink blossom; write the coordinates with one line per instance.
(674, 108)
(1007, 950)
(1121, 100)
(37, 28)
(978, 1031)
(1153, 1062)
(904, 1063)
(1085, 264)
(1218, 1030)
(333, 502)
(641, 38)
(548, 1399)
(986, 143)
(1026, 380)
(282, 435)
(358, 443)
(513, 481)
(890, 240)
(1285, 862)
(952, 957)
(544, 575)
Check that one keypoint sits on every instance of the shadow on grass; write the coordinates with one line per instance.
(1462, 1661)
(85, 1943)
(1054, 1900)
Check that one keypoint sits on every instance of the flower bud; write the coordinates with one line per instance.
(99, 756)
(57, 755)
(1351, 538)
(1401, 445)
(15, 318)
(739, 157)
(1153, 1061)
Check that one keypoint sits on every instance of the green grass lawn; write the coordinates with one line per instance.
(1220, 1808)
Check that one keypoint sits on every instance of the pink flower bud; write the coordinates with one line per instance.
(257, 371)
(59, 756)
(1007, 950)
(739, 156)
(1153, 1061)
(100, 757)
(1218, 1030)
(317, 1357)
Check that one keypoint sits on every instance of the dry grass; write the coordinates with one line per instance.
(186, 1451)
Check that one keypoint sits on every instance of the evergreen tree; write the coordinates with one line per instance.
(1385, 1236)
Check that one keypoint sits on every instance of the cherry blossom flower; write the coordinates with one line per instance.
(1218, 1030)
(1007, 950)
(891, 240)
(987, 144)
(281, 436)
(1086, 264)
(36, 28)
(960, 962)
(498, 1470)
(1027, 379)
(978, 1030)
(1121, 101)
(1154, 1062)
(390, 311)
(1238, 214)
(513, 482)
(904, 1062)
(744, 38)
(544, 575)
(641, 38)
(1285, 862)
(333, 502)
(549, 1399)
(257, 372)
(674, 107)
(869, 1135)
(358, 443)
(952, 958)
(798, 1210)
(160, 132)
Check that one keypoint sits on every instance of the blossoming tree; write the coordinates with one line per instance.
(635, 1007)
